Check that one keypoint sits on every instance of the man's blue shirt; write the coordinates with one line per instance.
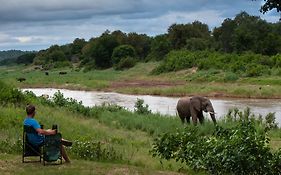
(34, 138)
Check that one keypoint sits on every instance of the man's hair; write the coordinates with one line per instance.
(30, 109)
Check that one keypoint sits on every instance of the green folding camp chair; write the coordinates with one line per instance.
(30, 150)
(52, 148)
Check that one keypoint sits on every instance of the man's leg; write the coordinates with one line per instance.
(64, 155)
(66, 142)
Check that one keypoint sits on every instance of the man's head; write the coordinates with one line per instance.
(30, 110)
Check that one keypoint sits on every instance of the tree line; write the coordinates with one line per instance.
(244, 33)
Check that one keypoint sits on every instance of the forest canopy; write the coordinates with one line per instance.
(242, 34)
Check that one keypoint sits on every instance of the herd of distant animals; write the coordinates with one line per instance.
(22, 79)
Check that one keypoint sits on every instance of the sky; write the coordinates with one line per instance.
(38, 24)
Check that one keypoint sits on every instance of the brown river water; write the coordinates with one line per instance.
(165, 105)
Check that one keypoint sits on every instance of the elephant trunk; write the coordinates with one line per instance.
(212, 114)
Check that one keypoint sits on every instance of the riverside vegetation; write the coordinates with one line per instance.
(115, 140)
(239, 58)
(140, 80)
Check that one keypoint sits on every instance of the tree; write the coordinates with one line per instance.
(77, 46)
(26, 58)
(101, 50)
(160, 46)
(271, 4)
(122, 51)
(141, 44)
(179, 33)
(57, 55)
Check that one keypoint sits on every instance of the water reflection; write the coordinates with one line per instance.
(165, 105)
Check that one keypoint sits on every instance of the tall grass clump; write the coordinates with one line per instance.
(95, 151)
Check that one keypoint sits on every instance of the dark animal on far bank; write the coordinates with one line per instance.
(21, 79)
(62, 73)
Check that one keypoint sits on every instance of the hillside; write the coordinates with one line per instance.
(11, 54)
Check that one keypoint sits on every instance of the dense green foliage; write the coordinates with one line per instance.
(10, 95)
(123, 57)
(242, 148)
(238, 36)
(248, 33)
(247, 64)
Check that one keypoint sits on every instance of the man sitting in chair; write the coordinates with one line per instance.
(38, 139)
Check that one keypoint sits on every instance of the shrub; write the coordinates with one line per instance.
(122, 51)
(61, 64)
(140, 108)
(239, 149)
(176, 60)
(248, 64)
(11, 95)
(254, 70)
(230, 76)
(125, 63)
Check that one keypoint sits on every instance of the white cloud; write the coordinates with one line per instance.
(24, 39)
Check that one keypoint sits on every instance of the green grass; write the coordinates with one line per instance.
(133, 144)
(129, 134)
(185, 82)
(11, 164)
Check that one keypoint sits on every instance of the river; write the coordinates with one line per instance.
(165, 105)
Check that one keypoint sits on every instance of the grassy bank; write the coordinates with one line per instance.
(138, 80)
(128, 147)
(107, 139)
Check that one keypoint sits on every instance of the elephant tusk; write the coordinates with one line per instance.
(212, 113)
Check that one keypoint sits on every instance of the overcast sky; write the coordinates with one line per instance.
(37, 24)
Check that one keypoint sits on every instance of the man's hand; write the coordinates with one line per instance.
(46, 132)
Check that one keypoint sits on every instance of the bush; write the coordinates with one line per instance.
(248, 64)
(230, 76)
(254, 70)
(61, 64)
(125, 63)
(11, 95)
(176, 60)
(240, 149)
(121, 52)
(140, 108)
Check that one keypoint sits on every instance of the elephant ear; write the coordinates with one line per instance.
(195, 104)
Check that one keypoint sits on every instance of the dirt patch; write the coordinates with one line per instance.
(143, 83)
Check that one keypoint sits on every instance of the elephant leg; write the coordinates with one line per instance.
(182, 120)
(194, 119)
(188, 120)
(182, 117)
(201, 118)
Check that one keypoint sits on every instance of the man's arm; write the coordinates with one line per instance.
(45, 132)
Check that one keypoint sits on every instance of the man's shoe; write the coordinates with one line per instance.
(66, 143)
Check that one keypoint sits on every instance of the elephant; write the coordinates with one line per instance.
(192, 107)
